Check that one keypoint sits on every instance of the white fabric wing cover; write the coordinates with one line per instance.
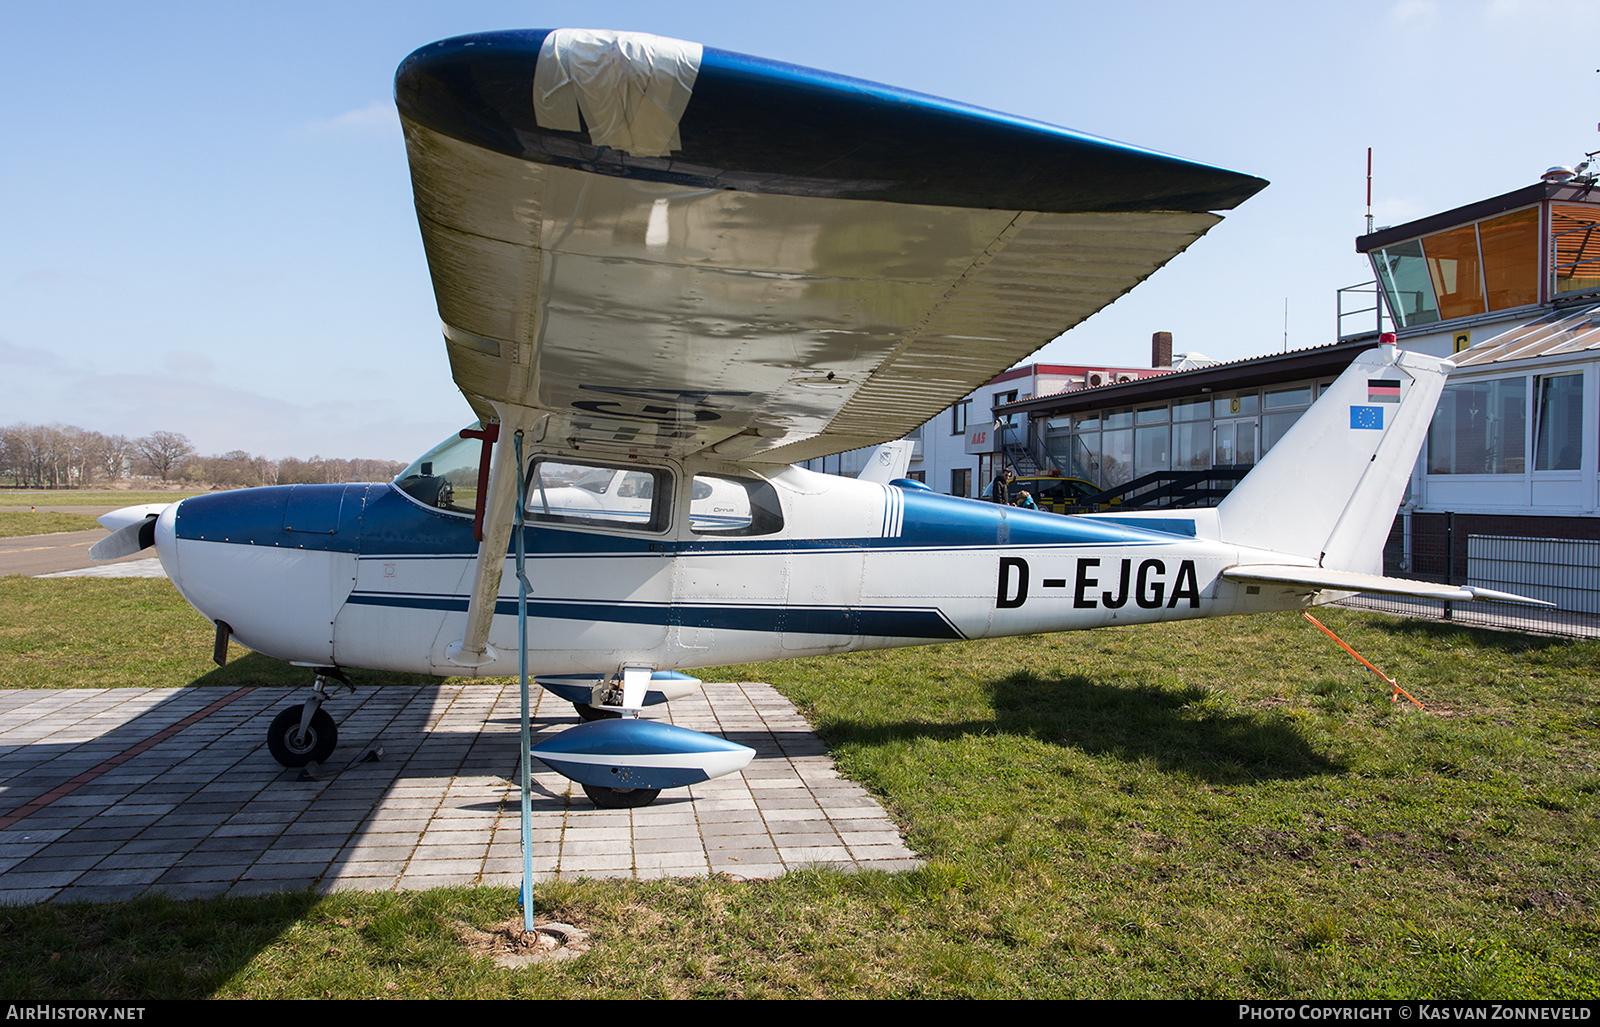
(631, 87)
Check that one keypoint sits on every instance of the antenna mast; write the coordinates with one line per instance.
(1369, 190)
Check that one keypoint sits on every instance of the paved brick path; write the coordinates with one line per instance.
(106, 794)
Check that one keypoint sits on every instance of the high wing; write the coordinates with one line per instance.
(646, 247)
(651, 247)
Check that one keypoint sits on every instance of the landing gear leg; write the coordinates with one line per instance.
(306, 733)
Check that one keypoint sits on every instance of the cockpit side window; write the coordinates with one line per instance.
(563, 492)
(721, 504)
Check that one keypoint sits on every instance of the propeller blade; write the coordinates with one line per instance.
(126, 540)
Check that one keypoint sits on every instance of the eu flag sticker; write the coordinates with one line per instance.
(1366, 417)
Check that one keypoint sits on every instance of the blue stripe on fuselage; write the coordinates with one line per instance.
(803, 620)
(377, 520)
(950, 521)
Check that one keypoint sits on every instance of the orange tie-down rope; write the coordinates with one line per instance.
(1398, 691)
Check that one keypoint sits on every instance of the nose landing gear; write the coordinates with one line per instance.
(306, 733)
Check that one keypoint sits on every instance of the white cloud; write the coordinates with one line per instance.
(377, 116)
(1414, 13)
(14, 359)
(188, 363)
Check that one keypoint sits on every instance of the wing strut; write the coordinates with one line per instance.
(499, 520)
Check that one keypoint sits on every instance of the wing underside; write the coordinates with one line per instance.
(818, 264)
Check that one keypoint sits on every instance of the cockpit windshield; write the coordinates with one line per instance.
(446, 476)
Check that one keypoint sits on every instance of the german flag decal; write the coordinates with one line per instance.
(1383, 390)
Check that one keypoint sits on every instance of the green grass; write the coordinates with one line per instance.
(91, 497)
(124, 632)
(15, 523)
(1229, 808)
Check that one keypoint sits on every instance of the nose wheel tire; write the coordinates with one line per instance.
(588, 712)
(620, 798)
(292, 749)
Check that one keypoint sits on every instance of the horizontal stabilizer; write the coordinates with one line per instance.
(1322, 579)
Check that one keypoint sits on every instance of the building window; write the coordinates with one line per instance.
(1510, 248)
(1191, 446)
(1477, 267)
(958, 417)
(1403, 276)
(1453, 271)
(1239, 404)
(1559, 436)
(1480, 428)
(1576, 244)
(1283, 408)
(961, 482)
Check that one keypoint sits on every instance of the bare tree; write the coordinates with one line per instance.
(112, 453)
(57, 456)
(237, 469)
(30, 451)
(75, 452)
(165, 451)
(12, 463)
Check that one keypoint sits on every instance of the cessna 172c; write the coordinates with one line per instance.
(666, 273)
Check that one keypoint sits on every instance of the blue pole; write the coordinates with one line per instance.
(522, 681)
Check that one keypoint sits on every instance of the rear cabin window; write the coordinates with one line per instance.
(726, 505)
(562, 492)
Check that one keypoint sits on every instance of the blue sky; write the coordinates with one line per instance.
(206, 222)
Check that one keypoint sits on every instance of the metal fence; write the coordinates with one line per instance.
(1561, 571)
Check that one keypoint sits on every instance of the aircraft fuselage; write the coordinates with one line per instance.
(368, 576)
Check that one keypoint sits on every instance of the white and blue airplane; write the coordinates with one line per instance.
(667, 273)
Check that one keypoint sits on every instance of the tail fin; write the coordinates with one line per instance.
(888, 462)
(1329, 489)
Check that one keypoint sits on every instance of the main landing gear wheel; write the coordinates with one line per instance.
(292, 749)
(588, 712)
(620, 798)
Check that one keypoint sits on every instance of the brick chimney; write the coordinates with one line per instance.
(1161, 349)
